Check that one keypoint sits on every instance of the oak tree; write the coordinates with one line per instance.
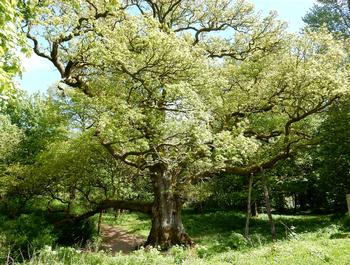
(178, 91)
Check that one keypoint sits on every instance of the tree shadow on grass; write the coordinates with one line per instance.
(218, 228)
(221, 224)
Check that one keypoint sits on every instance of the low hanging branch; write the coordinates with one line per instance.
(143, 207)
(249, 170)
(283, 154)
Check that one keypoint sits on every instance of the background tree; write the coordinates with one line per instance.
(35, 122)
(11, 41)
(334, 14)
(330, 160)
(10, 136)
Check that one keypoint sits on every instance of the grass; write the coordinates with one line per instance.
(213, 228)
(285, 252)
(136, 223)
(219, 240)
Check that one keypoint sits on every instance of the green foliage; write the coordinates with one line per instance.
(236, 241)
(332, 14)
(179, 254)
(25, 235)
(77, 233)
(333, 156)
(35, 122)
(346, 223)
(319, 178)
(10, 137)
(8, 63)
(227, 192)
(11, 40)
(42, 122)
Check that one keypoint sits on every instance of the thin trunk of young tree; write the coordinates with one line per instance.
(268, 206)
(249, 206)
(255, 212)
(99, 223)
(117, 212)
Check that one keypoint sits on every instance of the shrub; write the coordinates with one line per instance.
(71, 233)
(29, 233)
(179, 254)
(25, 235)
(346, 223)
(202, 251)
(75, 233)
(236, 241)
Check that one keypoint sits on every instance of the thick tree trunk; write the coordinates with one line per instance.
(167, 228)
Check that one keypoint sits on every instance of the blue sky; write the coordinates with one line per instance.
(291, 11)
(39, 73)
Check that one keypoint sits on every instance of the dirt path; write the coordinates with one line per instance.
(115, 239)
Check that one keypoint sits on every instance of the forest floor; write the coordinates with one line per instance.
(115, 239)
(301, 240)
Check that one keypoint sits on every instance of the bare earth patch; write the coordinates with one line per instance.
(115, 239)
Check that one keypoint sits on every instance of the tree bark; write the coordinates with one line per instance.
(268, 206)
(249, 206)
(255, 212)
(167, 228)
(295, 202)
(99, 222)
